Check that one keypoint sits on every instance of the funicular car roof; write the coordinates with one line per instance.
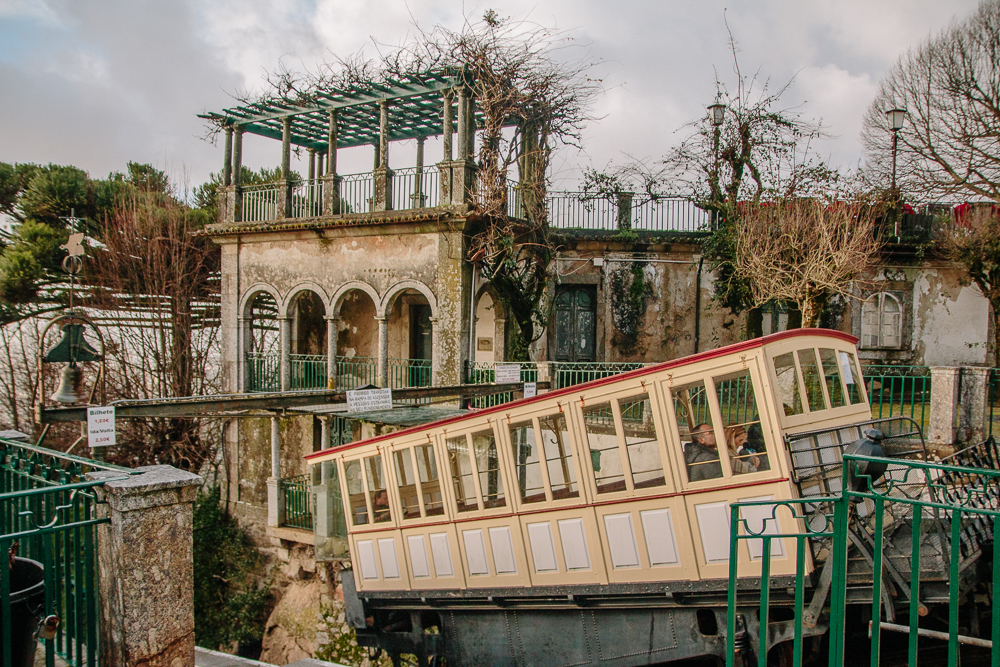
(317, 457)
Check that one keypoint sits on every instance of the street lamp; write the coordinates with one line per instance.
(718, 111)
(895, 118)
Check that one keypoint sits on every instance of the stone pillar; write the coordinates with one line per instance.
(227, 161)
(332, 326)
(227, 204)
(285, 188)
(383, 351)
(444, 167)
(546, 371)
(499, 337)
(382, 196)
(275, 500)
(974, 398)
(944, 404)
(243, 348)
(312, 163)
(238, 174)
(470, 132)
(419, 197)
(463, 123)
(144, 557)
(285, 350)
(435, 354)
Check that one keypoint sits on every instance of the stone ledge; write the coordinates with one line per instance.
(156, 486)
(296, 535)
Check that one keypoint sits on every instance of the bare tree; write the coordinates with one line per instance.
(973, 240)
(156, 284)
(805, 251)
(950, 85)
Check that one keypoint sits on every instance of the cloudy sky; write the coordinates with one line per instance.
(96, 83)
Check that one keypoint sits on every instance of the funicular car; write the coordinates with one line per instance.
(590, 525)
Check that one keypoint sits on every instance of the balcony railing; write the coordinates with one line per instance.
(308, 371)
(307, 199)
(259, 202)
(568, 373)
(406, 194)
(356, 372)
(263, 372)
(484, 372)
(296, 493)
(895, 391)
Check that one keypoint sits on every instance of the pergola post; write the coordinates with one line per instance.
(331, 185)
(419, 197)
(382, 200)
(227, 164)
(445, 166)
(227, 196)
(463, 175)
(284, 203)
(238, 174)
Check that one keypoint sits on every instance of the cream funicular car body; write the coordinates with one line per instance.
(586, 525)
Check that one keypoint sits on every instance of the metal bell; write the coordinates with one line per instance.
(70, 388)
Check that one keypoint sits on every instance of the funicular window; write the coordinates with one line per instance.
(694, 424)
(852, 378)
(812, 379)
(430, 485)
(641, 442)
(356, 493)
(462, 474)
(605, 456)
(788, 384)
(377, 489)
(527, 462)
(744, 437)
(558, 456)
(834, 389)
(484, 445)
(407, 484)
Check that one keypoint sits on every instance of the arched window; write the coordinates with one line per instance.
(882, 321)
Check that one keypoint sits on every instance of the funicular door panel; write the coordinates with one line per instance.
(729, 402)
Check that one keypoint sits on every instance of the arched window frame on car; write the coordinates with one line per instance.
(595, 401)
(806, 403)
(570, 462)
(428, 507)
(491, 426)
(881, 328)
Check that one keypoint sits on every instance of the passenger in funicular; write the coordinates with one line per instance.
(702, 455)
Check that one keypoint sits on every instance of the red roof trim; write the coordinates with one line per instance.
(683, 361)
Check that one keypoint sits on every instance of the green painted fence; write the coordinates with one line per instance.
(296, 493)
(920, 524)
(895, 391)
(50, 512)
(484, 372)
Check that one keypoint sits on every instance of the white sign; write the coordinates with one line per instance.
(101, 427)
(508, 373)
(364, 400)
(530, 389)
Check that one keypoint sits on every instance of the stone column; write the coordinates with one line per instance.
(238, 174)
(382, 174)
(329, 522)
(331, 182)
(383, 351)
(444, 167)
(419, 197)
(944, 404)
(285, 350)
(284, 203)
(435, 360)
(275, 500)
(144, 557)
(332, 326)
(227, 204)
(499, 336)
(463, 123)
(470, 132)
(227, 161)
(973, 425)
(242, 349)
(546, 371)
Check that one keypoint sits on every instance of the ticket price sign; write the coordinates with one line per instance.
(365, 400)
(101, 427)
(530, 389)
(508, 373)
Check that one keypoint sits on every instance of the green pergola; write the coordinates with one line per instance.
(416, 107)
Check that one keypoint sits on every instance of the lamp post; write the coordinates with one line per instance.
(895, 118)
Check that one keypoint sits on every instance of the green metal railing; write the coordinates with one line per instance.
(308, 371)
(263, 372)
(951, 512)
(484, 372)
(298, 502)
(356, 372)
(899, 391)
(409, 373)
(570, 373)
(48, 509)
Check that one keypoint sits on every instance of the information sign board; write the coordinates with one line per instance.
(101, 427)
(365, 400)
